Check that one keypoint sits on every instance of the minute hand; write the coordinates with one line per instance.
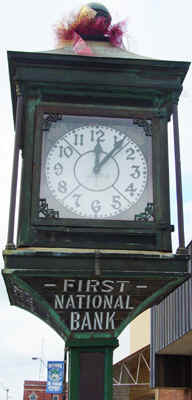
(109, 155)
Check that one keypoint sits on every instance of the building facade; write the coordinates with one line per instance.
(36, 390)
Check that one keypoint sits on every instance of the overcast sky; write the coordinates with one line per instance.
(157, 28)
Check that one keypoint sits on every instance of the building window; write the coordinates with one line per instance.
(33, 396)
(55, 397)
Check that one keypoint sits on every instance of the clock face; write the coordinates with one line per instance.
(95, 168)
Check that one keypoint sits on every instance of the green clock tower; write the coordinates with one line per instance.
(93, 246)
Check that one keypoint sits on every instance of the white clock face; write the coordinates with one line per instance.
(94, 171)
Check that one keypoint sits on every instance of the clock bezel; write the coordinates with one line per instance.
(88, 111)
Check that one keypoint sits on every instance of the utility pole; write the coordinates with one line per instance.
(7, 394)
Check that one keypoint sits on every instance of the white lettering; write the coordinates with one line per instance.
(80, 297)
(88, 301)
(86, 323)
(80, 285)
(98, 321)
(107, 287)
(118, 303)
(107, 301)
(122, 285)
(97, 301)
(75, 324)
(110, 320)
(127, 302)
(91, 304)
(70, 302)
(92, 285)
(68, 283)
(59, 301)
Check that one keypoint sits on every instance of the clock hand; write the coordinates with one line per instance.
(117, 146)
(97, 150)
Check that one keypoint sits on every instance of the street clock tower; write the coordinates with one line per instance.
(93, 246)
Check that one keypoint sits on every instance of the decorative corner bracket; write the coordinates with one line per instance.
(48, 119)
(45, 211)
(145, 124)
(146, 215)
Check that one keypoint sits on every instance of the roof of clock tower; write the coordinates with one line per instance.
(96, 43)
(99, 49)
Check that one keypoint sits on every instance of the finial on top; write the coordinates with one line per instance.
(99, 20)
(92, 23)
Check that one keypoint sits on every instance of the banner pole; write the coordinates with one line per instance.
(65, 373)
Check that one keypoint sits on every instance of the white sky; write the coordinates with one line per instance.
(157, 28)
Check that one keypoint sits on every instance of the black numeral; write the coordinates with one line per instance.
(79, 140)
(58, 169)
(65, 151)
(62, 187)
(130, 153)
(116, 204)
(96, 206)
(130, 189)
(99, 135)
(77, 197)
(136, 173)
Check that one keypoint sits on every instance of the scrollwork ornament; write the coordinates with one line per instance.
(147, 215)
(45, 211)
(145, 124)
(48, 119)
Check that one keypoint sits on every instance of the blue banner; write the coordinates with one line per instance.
(55, 373)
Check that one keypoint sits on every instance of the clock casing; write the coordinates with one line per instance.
(118, 189)
(94, 178)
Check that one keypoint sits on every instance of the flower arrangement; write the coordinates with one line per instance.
(93, 22)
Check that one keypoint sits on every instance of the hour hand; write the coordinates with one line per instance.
(97, 150)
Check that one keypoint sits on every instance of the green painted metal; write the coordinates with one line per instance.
(28, 289)
(148, 303)
(95, 335)
(27, 146)
(167, 75)
(69, 262)
(138, 235)
(108, 379)
(101, 86)
(74, 374)
(91, 346)
(90, 343)
(44, 310)
(113, 86)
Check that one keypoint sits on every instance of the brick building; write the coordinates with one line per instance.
(36, 390)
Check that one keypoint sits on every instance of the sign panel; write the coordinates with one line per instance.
(93, 305)
(55, 373)
(101, 306)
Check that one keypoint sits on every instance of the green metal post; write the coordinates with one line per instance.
(90, 369)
